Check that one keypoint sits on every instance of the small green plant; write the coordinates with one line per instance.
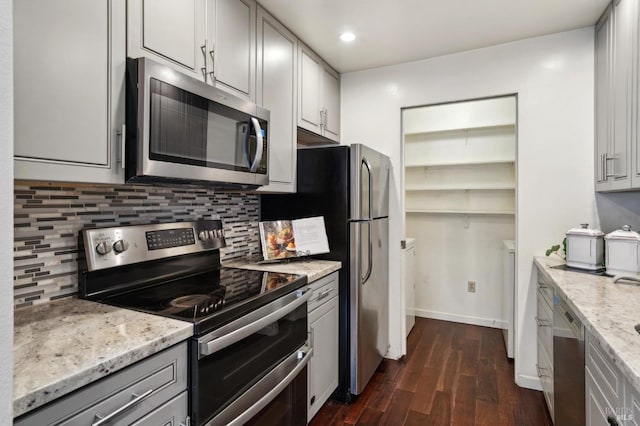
(556, 248)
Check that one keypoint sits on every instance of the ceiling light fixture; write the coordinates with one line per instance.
(347, 37)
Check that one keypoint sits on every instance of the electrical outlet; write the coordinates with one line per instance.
(471, 286)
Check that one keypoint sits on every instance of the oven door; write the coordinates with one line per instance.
(238, 369)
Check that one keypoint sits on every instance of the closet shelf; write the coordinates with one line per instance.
(507, 187)
(463, 212)
(461, 163)
(505, 126)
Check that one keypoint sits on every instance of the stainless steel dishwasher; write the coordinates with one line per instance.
(568, 365)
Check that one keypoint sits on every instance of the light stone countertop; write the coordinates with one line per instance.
(63, 345)
(312, 268)
(608, 311)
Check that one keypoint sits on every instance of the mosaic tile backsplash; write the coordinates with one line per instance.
(47, 220)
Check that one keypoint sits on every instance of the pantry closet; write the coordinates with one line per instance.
(460, 204)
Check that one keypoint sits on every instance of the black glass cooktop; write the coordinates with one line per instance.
(210, 299)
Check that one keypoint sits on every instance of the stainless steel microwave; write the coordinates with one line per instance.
(180, 129)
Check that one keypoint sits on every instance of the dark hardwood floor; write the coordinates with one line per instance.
(453, 374)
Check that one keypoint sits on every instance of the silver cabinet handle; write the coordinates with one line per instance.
(324, 294)
(252, 323)
(122, 133)
(136, 400)
(259, 143)
(213, 63)
(187, 422)
(542, 372)
(543, 323)
(203, 49)
(606, 167)
(326, 119)
(542, 285)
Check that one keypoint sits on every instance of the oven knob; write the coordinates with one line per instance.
(212, 234)
(103, 248)
(120, 246)
(203, 235)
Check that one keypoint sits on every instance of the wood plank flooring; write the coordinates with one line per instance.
(453, 374)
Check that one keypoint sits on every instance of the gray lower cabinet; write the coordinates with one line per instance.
(323, 331)
(544, 323)
(604, 386)
(150, 392)
(632, 405)
(69, 90)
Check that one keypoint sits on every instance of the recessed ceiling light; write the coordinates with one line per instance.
(347, 37)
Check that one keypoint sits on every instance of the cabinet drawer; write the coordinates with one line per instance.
(545, 289)
(598, 408)
(545, 373)
(152, 382)
(544, 323)
(322, 290)
(604, 371)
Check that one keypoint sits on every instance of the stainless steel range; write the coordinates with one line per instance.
(248, 355)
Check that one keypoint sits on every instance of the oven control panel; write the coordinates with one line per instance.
(117, 246)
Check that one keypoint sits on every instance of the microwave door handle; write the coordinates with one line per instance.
(245, 144)
(259, 143)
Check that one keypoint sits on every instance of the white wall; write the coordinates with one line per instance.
(553, 77)
(6, 212)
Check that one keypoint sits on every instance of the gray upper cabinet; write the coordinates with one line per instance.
(276, 90)
(69, 117)
(231, 45)
(330, 100)
(603, 112)
(170, 32)
(211, 40)
(318, 95)
(616, 117)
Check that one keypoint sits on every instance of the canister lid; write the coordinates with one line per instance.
(584, 230)
(623, 234)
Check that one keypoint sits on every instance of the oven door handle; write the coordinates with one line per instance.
(264, 391)
(251, 323)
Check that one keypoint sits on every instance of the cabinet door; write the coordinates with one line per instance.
(69, 89)
(170, 32)
(309, 80)
(599, 411)
(276, 91)
(631, 405)
(323, 366)
(603, 106)
(232, 46)
(330, 97)
(618, 158)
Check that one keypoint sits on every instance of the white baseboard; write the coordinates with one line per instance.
(465, 319)
(529, 382)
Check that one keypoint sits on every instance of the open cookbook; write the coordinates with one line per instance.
(285, 239)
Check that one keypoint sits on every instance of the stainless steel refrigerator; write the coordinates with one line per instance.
(349, 186)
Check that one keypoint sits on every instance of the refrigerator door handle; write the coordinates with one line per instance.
(370, 257)
(370, 182)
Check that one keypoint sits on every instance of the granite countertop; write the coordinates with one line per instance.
(63, 345)
(312, 268)
(608, 311)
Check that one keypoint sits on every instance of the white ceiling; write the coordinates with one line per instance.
(395, 31)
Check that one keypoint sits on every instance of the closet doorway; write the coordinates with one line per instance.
(460, 176)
